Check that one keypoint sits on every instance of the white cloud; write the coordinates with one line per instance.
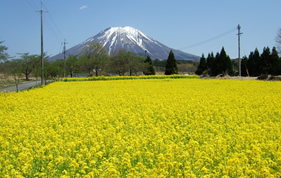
(83, 7)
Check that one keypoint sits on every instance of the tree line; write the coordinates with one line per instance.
(214, 65)
(255, 65)
(93, 61)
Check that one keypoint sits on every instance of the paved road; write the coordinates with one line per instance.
(22, 86)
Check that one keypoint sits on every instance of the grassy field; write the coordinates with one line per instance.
(6, 81)
(142, 128)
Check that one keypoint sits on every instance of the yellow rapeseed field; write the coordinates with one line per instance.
(142, 128)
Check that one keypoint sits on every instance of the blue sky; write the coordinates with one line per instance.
(179, 24)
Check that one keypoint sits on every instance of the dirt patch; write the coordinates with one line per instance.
(262, 77)
(242, 78)
(227, 77)
(269, 77)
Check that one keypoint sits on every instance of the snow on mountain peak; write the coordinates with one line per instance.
(128, 35)
(124, 30)
(129, 39)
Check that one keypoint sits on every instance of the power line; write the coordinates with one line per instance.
(210, 39)
(52, 19)
(51, 29)
(56, 32)
(48, 21)
(51, 25)
(36, 4)
(32, 4)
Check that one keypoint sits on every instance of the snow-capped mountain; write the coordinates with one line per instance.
(130, 39)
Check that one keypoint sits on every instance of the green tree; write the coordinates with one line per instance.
(135, 64)
(171, 65)
(210, 62)
(3, 54)
(54, 69)
(4, 68)
(244, 67)
(85, 64)
(118, 63)
(28, 63)
(122, 62)
(94, 57)
(265, 60)
(149, 69)
(159, 63)
(274, 62)
(14, 70)
(254, 63)
(72, 65)
(222, 64)
(227, 64)
(217, 65)
(202, 66)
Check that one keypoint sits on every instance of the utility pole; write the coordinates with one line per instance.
(42, 51)
(64, 59)
(239, 59)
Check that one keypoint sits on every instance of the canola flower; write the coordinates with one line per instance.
(142, 128)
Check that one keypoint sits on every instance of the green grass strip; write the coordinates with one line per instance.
(103, 78)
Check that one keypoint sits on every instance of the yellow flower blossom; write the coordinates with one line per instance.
(162, 127)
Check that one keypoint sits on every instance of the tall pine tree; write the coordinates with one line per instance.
(210, 62)
(227, 66)
(274, 62)
(171, 66)
(222, 64)
(244, 67)
(265, 60)
(202, 66)
(217, 66)
(149, 69)
(254, 63)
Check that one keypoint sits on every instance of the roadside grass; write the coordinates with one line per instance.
(7, 82)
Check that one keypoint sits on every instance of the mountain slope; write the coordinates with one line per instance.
(130, 39)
